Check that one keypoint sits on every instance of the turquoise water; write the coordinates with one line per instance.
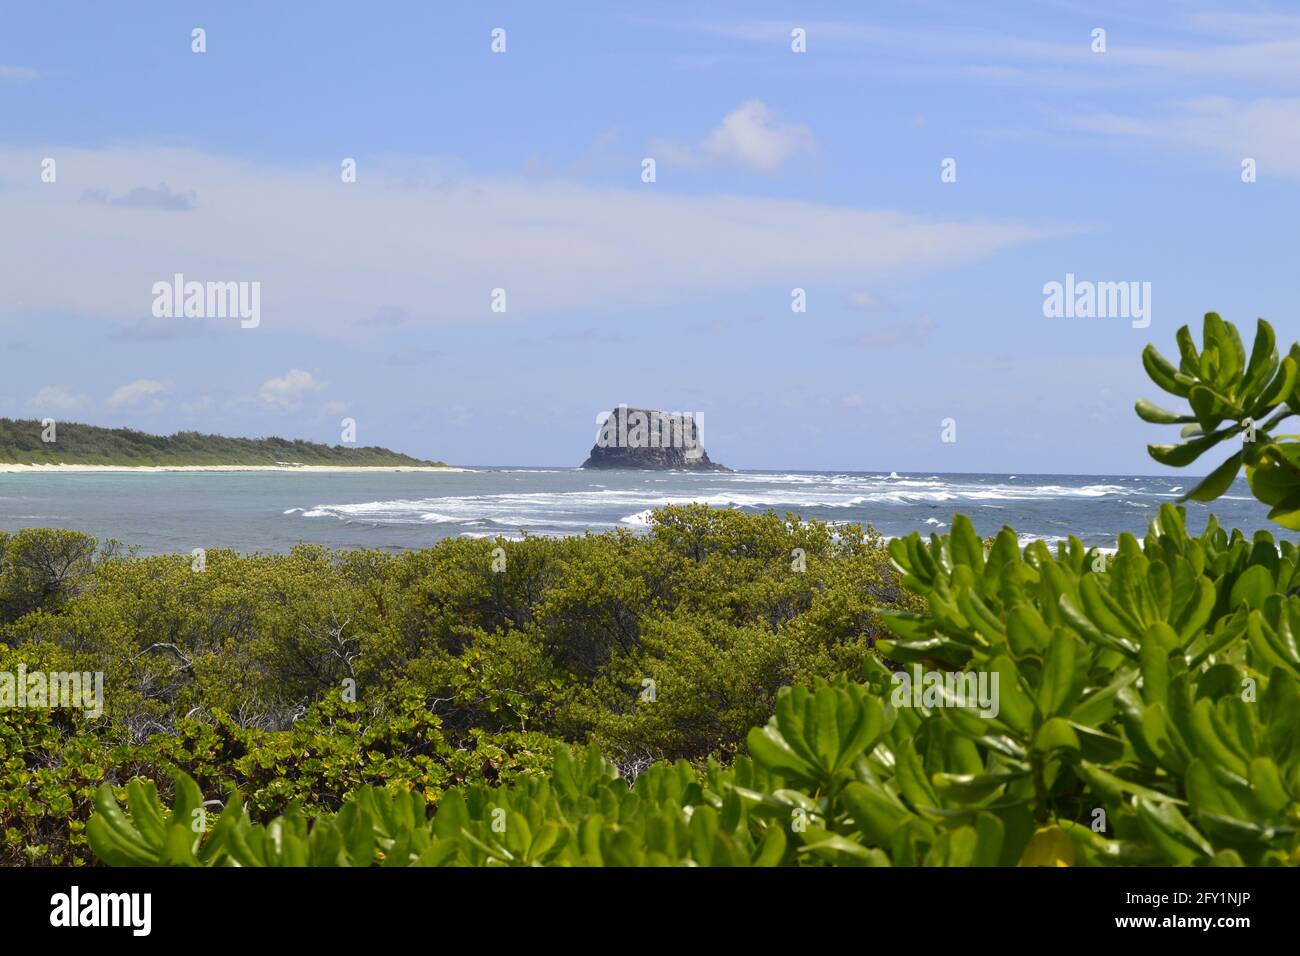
(272, 511)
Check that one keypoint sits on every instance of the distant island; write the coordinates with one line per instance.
(640, 438)
(22, 443)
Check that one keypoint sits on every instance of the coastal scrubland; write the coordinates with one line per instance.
(300, 677)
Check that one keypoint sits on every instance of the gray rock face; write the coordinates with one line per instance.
(646, 439)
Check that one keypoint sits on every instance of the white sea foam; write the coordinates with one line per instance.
(435, 518)
(556, 506)
(1025, 539)
(527, 507)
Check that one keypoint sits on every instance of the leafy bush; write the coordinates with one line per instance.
(1157, 687)
(42, 568)
(1229, 396)
(54, 759)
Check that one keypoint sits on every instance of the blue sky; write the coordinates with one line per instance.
(522, 170)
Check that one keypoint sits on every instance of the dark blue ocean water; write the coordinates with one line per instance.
(166, 512)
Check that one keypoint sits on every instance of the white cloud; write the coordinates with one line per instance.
(412, 238)
(135, 392)
(288, 391)
(56, 398)
(748, 136)
(334, 408)
(1111, 124)
(1263, 46)
(867, 302)
(19, 74)
(1239, 23)
(913, 333)
(1266, 130)
(147, 197)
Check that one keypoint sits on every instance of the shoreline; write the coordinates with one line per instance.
(8, 468)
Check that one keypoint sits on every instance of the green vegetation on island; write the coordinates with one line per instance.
(728, 689)
(23, 442)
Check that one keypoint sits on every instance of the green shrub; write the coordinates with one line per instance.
(1152, 687)
(54, 760)
(1230, 395)
(42, 568)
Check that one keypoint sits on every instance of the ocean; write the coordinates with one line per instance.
(175, 512)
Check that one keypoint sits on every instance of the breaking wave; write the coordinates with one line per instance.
(568, 502)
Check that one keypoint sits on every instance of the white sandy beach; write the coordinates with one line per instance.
(6, 468)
